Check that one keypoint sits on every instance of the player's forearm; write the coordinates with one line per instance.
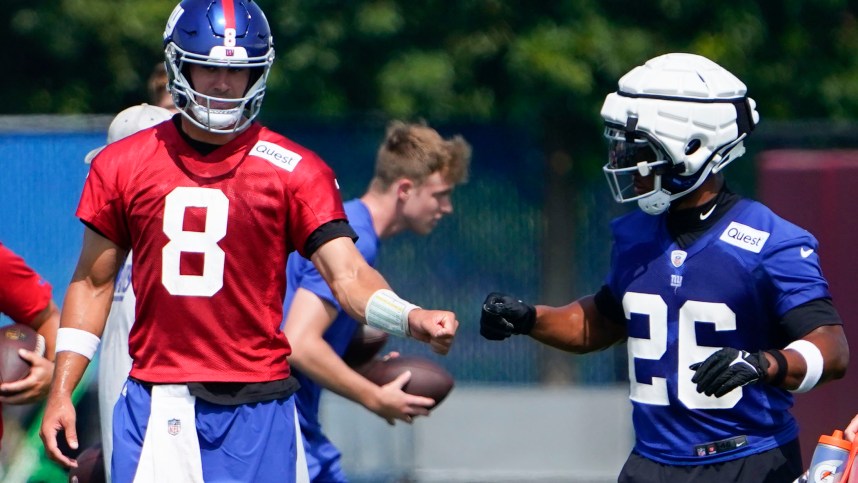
(86, 306)
(830, 340)
(319, 362)
(351, 279)
(82, 321)
(577, 327)
(68, 371)
(46, 324)
(353, 292)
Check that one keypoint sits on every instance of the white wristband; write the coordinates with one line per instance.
(386, 311)
(77, 340)
(813, 360)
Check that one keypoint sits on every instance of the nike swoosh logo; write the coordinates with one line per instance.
(703, 216)
(805, 252)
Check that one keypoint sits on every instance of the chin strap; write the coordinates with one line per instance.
(728, 153)
(656, 203)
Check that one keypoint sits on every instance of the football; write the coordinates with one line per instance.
(90, 466)
(12, 338)
(365, 344)
(428, 379)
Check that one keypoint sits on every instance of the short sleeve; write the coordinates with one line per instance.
(23, 293)
(101, 204)
(795, 273)
(314, 202)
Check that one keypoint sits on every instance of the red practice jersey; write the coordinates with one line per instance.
(210, 234)
(23, 293)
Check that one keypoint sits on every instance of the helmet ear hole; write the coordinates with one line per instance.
(692, 146)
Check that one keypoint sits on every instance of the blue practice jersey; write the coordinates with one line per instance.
(301, 273)
(728, 289)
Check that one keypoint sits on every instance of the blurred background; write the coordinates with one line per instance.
(523, 82)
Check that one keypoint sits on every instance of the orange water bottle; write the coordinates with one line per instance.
(829, 459)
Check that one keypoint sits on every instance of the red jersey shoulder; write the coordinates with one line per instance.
(124, 155)
(11, 262)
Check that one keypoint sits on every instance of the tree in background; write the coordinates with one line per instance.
(475, 59)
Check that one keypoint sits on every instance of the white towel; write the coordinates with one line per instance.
(171, 448)
(302, 472)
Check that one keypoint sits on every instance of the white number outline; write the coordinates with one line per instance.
(216, 205)
(688, 350)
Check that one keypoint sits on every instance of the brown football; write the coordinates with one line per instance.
(428, 379)
(365, 344)
(12, 338)
(90, 466)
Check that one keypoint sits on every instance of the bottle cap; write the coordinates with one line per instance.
(836, 439)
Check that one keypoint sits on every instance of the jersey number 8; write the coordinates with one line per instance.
(217, 208)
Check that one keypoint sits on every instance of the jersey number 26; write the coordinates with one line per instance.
(688, 350)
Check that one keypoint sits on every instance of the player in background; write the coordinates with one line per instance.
(25, 297)
(114, 360)
(416, 172)
(211, 203)
(722, 303)
(157, 87)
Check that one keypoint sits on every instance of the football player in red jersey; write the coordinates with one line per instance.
(25, 297)
(212, 203)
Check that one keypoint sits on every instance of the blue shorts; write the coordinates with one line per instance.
(242, 443)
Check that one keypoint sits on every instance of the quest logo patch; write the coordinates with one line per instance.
(745, 237)
(276, 155)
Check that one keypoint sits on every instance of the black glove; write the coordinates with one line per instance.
(504, 315)
(728, 369)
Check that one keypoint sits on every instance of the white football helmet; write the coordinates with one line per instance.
(680, 117)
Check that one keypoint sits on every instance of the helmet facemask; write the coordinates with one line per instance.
(636, 155)
(197, 107)
(631, 157)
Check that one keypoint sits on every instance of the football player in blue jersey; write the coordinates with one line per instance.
(722, 303)
(415, 174)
